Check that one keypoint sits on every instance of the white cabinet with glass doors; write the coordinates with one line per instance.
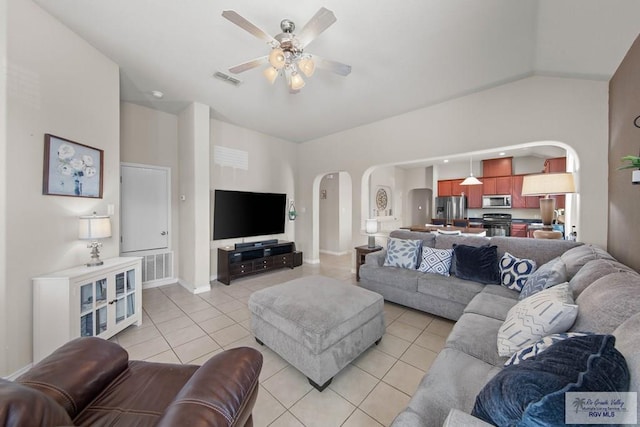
(86, 301)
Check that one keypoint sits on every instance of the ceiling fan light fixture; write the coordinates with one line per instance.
(307, 66)
(271, 74)
(277, 58)
(297, 82)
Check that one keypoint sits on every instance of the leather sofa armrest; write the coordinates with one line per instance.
(376, 258)
(75, 373)
(221, 392)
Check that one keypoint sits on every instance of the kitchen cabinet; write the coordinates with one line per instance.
(556, 164)
(497, 167)
(474, 196)
(444, 188)
(503, 185)
(517, 199)
(86, 301)
(518, 229)
(450, 187)
(489, 186)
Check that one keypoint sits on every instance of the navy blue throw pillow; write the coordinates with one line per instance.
(533, 392)
(477, 263)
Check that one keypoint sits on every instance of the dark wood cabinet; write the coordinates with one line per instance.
(456, 188)
(234, 263)
(497, 167)
(489, 186)
(503, 185)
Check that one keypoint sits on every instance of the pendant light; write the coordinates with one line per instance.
(471, 180)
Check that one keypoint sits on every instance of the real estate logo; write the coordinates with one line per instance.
(601, 408)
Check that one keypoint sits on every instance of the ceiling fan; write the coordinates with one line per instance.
(287, 54)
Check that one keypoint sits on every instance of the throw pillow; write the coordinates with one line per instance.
(540, 346)
(548, 312)
(549, 274)
(515, 271)
(436, 260)
(479, 264)
(533, 392)
(402, 253)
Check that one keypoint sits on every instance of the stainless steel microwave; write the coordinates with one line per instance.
(492, 202)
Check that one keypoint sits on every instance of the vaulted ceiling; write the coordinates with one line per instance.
(405, 55)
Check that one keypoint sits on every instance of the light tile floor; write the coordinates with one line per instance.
(179, 327)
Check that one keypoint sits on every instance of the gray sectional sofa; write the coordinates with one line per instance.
(607, 294)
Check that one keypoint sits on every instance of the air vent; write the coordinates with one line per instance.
(226, 78)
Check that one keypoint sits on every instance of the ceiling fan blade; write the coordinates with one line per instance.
(316, 25)
(335, 66)
(237, 69)
(241, 22)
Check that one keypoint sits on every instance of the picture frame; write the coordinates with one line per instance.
(382, 201)
(72, 169)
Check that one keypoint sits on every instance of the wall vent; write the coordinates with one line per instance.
(226, 78)
(225, 156)
(157, 267)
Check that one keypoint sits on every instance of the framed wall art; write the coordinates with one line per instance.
(71, 168)
(382, 201)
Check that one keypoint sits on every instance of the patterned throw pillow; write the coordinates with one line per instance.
(515, 271)
(550, 274)
(436, 260)
(537, 348)
(550, 311)
(402, 253)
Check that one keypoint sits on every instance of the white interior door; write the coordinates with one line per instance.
(144, 216)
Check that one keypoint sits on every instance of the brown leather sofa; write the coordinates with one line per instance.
(91, 382)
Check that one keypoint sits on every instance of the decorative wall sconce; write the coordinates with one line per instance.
(292, 211)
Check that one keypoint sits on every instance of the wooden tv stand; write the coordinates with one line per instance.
(235, 263)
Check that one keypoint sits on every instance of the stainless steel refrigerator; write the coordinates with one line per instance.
(450, 208)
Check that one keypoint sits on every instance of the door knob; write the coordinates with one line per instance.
(164, 233)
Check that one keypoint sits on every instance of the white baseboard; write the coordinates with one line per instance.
(194, 290)
(312, 261)
(158, 283)
(16, 374)
(323, 251)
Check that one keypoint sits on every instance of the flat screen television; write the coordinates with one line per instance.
(246, 214)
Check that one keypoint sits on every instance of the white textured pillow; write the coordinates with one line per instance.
(550, 311)
(436, 260)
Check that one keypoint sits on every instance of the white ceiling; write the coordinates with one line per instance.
(405, 55)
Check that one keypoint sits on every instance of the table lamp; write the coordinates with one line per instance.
(94, 227)
(371, 228)
(546, 184)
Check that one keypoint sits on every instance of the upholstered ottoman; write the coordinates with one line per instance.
(317, 324)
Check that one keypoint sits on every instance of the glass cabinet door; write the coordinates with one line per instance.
(93, 308)
(131, 292)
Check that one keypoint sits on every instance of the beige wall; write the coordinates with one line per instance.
(58, 84)
(272, 168)
(4, 319)
(624, 139)
(150, 137)
(330, 214)
(571, 111)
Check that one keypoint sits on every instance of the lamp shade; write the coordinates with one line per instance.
(371, 226)
(270, 73)
(307, 66)
(93, 227)
(471, 180)
(548, 183)
(277, 58)
(297, 82)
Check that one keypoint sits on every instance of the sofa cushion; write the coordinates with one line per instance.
(550, 274)
(448, 288)
(401, 278)
(436, 261)
(402, 253)
(592, 271)
(479, 264)
(548, 312)
(533, 350)
(515, 271)
(576, 258)
(476, 335)
(444, 241)
(428, 239)
(628, 343)
(501, 291)
(490, 305)
(539, 250)
(608, 302)
(533, 392)
(24, 406)
(453, 381)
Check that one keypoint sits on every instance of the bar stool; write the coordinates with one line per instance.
(460, 222)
